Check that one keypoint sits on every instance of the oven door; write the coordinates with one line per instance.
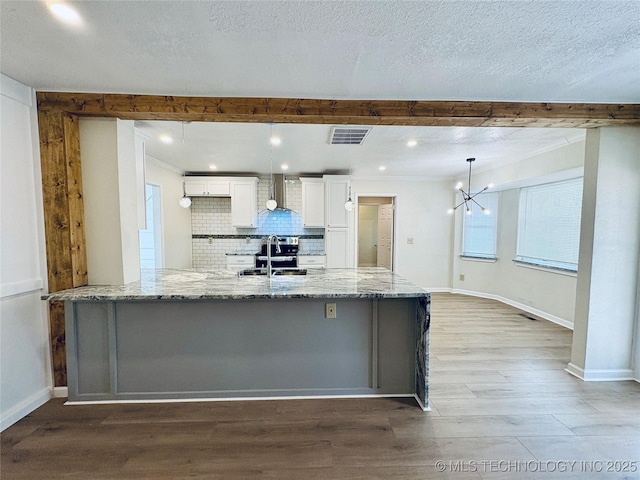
(277, 261)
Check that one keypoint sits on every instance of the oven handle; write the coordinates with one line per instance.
(278, 258)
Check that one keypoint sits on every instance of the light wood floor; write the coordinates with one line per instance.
(499, 395)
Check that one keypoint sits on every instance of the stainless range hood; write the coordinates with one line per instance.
(279, 191)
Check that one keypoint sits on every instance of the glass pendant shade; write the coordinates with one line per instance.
(185, 202)
(349, 205)
(271, 204)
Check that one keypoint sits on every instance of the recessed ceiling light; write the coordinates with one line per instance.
(382, 168)
(212, 167)
(412, 143)
(284, 166)
(166, 139)
(275, 141)
(65, 13)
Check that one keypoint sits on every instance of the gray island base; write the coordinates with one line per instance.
(214, 335)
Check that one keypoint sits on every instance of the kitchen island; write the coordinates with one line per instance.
(185, 334)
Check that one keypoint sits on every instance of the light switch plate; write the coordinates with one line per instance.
(329, 310)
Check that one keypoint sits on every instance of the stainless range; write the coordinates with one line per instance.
(284, 254)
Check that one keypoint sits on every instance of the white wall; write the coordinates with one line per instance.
(421, 207)
(176, 221)
(107, 148)
(545, 293)
(606, 301)
(25, 378)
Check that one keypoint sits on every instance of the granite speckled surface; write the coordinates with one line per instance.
(168, 284)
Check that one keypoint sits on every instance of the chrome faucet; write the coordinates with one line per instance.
(271, 238)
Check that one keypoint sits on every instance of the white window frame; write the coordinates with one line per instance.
(489, 200)
(525, 257)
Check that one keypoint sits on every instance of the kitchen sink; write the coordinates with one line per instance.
(276, 271)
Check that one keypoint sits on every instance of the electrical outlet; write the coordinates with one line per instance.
(210, 240)
(409, 240)
(462, 277)
(247, 240)
(329, 310)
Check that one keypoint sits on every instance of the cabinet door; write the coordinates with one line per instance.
(311, 261)
(337, 247)
(195, 187)
(337, 192)
(240, 262)
(243, 204)
(313, 204)
(218, 188)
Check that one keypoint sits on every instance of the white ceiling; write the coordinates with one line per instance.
(562, 51)
(570, 51)
(440, 152)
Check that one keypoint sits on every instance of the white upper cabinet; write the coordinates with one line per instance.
(244, 208)
(313, 202)
(207, 187)
(336, 194)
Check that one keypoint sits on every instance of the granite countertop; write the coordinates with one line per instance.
(319, 253)
(169, 284)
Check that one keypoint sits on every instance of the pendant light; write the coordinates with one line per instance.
(271, 203)
(349, 205)
(467, 197)
(185, 202)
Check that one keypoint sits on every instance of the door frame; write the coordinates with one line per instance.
(356, 230)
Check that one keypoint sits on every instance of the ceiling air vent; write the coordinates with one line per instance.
(348, 136)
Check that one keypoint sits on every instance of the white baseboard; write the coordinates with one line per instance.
(60, 392)
(520, 306)
(24, 408)
(600, 375)
(438, 290)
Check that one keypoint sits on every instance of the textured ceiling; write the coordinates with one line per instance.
(440, 152)
(569, 51)
(563, 51)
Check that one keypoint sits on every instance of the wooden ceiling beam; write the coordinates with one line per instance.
(345, 112)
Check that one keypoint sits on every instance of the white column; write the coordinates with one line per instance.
(107, 148)
(607, 286)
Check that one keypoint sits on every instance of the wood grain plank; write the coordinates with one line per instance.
(320, 111)
(56, 200)
(75, 201)
(64, 220)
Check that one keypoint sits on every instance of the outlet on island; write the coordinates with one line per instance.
(330, 310)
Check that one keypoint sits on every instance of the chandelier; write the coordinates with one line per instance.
(468, 199)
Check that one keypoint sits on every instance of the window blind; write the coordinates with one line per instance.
(479, 231)
(549, 224)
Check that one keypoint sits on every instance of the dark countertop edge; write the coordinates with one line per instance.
(186, 298)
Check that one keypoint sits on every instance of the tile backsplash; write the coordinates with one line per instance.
(214, 236)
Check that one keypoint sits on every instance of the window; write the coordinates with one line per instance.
(479, 230)
(549, 225)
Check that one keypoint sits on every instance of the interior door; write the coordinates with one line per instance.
(385, 235)
(367, 235)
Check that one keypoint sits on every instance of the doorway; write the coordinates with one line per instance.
(150, 239)
(375, 232)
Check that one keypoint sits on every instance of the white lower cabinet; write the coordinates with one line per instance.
(311, 261)
(240, 262)
(337, 247)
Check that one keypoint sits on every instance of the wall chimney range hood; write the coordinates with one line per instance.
(279, 191)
